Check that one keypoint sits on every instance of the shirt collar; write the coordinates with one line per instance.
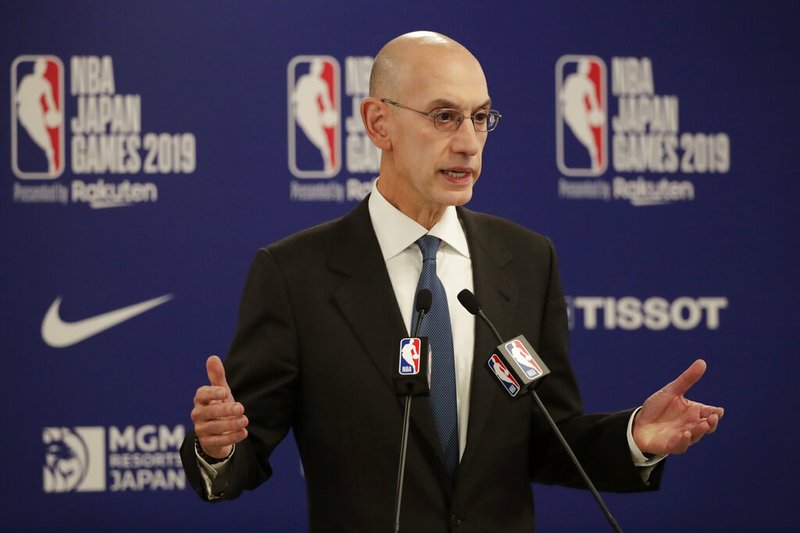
(396, 231)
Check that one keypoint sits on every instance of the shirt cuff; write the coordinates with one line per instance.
(639, 459)
(214, 475)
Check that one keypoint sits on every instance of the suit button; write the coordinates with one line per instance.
(455, 521)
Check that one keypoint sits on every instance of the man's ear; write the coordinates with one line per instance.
(374, 115)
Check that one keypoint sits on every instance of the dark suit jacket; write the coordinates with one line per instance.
(316, 349)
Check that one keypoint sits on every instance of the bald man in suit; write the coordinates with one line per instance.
(323, 312)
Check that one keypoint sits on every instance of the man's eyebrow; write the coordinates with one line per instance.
(443, 102)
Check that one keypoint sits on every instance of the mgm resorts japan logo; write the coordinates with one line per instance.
(98, 459)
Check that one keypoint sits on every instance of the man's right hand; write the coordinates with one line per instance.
(219, 420)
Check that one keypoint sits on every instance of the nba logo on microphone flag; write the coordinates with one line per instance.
(503, 375)
(523, 358)
(409, 356)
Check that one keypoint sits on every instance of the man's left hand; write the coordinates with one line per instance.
(669, 423)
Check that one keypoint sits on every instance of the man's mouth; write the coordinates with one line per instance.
(457, 174)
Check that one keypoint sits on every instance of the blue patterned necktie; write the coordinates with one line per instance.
(436, 326)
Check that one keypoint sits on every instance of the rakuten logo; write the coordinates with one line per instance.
(655, 313)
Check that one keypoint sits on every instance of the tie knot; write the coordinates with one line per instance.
(428, 245)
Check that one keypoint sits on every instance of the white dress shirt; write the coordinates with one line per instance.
(397, 235)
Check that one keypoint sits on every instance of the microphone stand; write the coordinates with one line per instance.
(589, 484)
(546, 413)
(401, 469)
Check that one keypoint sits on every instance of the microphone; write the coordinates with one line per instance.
(516, 364)
(423, 306)
(413, 379)
(470, 303)
(517, 370)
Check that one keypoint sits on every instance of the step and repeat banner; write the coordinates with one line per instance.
(151, 147)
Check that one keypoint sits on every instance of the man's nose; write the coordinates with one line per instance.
(466, 140)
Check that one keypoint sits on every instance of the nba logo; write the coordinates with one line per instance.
(315, 139)
(581, 116)
(524, 361)
(501, 372)
(409, 356)
(37, 117)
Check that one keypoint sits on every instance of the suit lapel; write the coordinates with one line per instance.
(497, 294)
(365, 296)
(368, 303)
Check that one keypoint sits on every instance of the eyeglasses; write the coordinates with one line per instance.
(446, 119)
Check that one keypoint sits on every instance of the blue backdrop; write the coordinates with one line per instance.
(153, 146)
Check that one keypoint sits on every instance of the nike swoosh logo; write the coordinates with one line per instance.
(60, 334)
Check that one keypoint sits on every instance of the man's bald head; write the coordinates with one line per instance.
(397, 61)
